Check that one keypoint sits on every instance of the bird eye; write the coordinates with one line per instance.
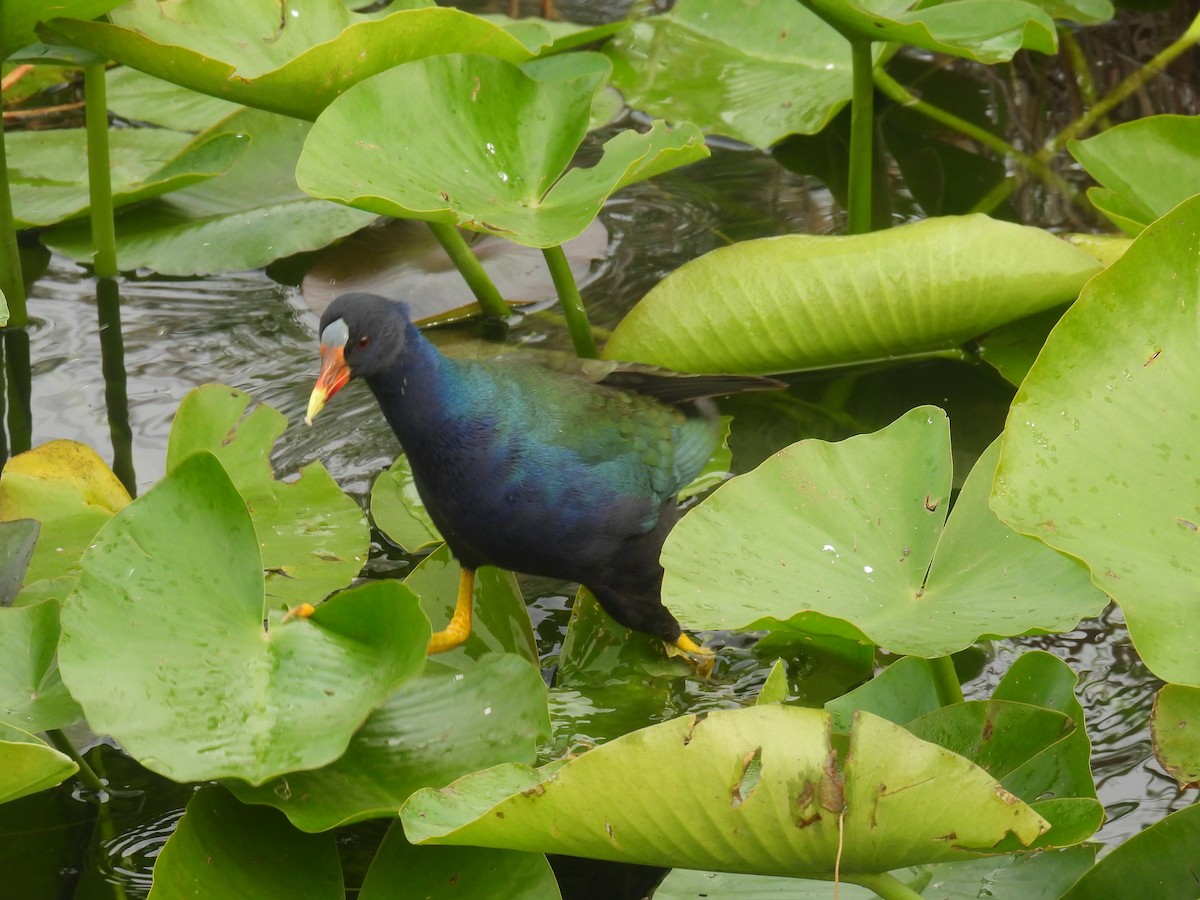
(363, 342)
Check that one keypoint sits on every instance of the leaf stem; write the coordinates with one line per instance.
(862, 124)
(889, 887)
(1118, 94)
(116, 394)
(470, 268)
(895, 91)
(104, 235)
(949, 689)
(571, 302)
(12, 281)
(86, 775)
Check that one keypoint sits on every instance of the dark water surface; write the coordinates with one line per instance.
(247, 331)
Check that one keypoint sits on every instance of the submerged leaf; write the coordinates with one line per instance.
(27, 765)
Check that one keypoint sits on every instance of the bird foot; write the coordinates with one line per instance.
(699, 656)
(303, 611)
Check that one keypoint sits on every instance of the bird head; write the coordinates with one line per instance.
(361, 334)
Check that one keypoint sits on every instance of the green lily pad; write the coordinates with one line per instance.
(49, 178)
(66, 487)
(775, 688)
(18, 18)
(1160, 859)
(989, 31)
(140, 97)
(32, 695)
(27, 765)
(398, 511)
(501, 622)
(1098, 453)
(1012, 348)
(1176, 727)
(428, 732)
(17, 541)
(754, 70)
(164, 643)
(762, 770)
(313, 537)
(810, 301)
(904, 691)
(294, 66)
(877, 553)
(250, 216)
(221, 848)
(514, 130)
(1133, 194)
(469, 873)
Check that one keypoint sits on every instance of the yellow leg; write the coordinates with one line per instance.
(687, 645)
(303, 611)
(701, 658)
(459, 628)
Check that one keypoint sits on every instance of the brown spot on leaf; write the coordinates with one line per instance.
(931, 504)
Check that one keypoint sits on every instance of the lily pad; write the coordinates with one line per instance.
(1161, 859)
(1098, 456)
(763, 770)
(513, 132)
(1133, 194)
(27, 765)
(398, 511)
(221, 848)
(250, 216)
(810, 301)
(66, 487)
(32, 695)
(313, 537)
(989, 31)
(1176, 727)
(164, 643)
(857, 531)
(49, 177)
(140, 97)
(18, 18)
(470, 873)
(754, 70)
(295, 65)
(428, 732)
(17, 541)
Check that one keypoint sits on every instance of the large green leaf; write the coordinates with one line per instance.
(1176, 728)
(313, 537)
(165, 647)
(140, 97)
(18, 539)
(18, 18)
(1132, 193)
(49, 176)
(401, 871)
(223, 849)
(32, 695)
(755, 70)
(857, 531)
(688, 792)
(66, 487)
(1098, 456)
(989, 31)
(804, 301)
(428, 732)
(248, 217)
(398, 511)
(27, 765)
(483, 144)
(294, 61)
(1159, 862)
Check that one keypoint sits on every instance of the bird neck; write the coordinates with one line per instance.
(421, 393)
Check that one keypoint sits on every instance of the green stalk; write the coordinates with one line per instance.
(949, 688)
(86, 775)
(889, 887)
(12, 281)
(571, 302)
(471, 269)
(895, 91)
(116, 396)
(19, 373)
(1131, 84)
(862, 127)
(993, 198)
(104, 236)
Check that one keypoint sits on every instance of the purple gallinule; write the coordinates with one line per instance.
(566, 468)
